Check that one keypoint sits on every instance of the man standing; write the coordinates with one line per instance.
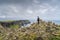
(38, 20)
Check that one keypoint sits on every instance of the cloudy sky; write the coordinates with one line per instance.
(30, 9)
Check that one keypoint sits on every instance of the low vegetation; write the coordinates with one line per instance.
(42, 31)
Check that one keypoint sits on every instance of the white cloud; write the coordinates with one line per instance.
(3, 16)
(14, 9)
(29, 11)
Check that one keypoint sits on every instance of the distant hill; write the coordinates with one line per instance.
(12, 22)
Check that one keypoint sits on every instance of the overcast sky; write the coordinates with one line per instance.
(30, 9)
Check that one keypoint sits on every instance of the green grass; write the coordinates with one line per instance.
(14, 26)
